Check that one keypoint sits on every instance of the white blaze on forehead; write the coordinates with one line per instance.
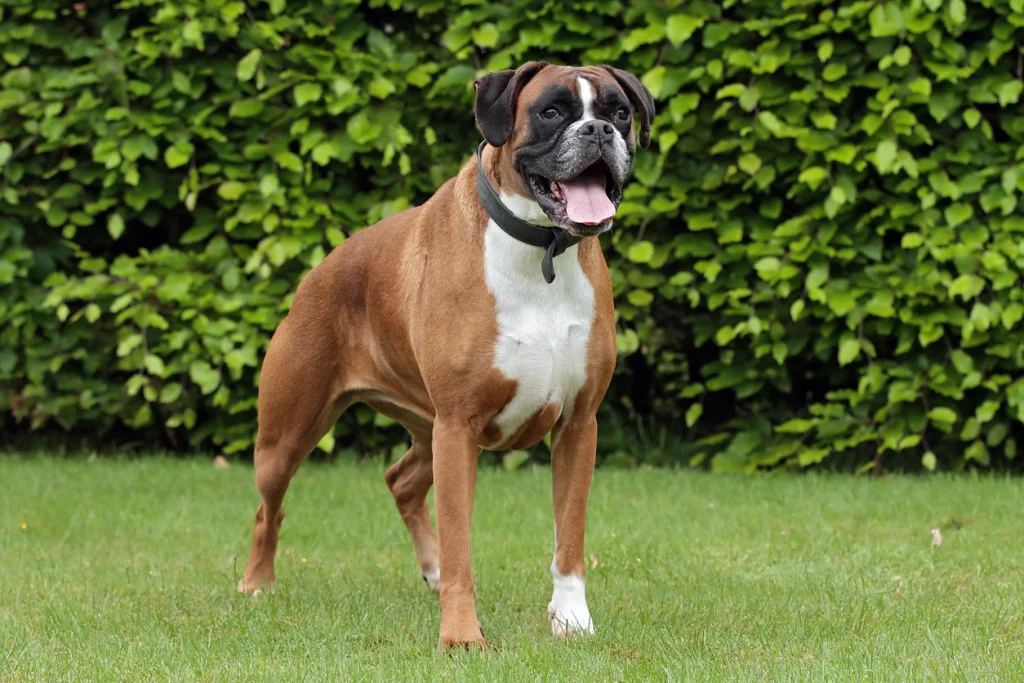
(588, 97)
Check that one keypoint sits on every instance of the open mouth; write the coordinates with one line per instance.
(581, 204)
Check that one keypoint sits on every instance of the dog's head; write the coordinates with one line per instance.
(568, 137)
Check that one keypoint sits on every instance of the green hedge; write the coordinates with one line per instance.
(820, 255)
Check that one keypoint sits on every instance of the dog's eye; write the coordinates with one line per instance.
(622, 114)
(550, 113)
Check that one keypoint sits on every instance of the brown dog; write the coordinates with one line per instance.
(481, 319)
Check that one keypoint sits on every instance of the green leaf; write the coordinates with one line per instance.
(362, 128)
(1009, 92)
(640, 297)
(943, 415)
(693, 414)
(824, 119)
(326, 442)
(957, 214)
(646, 35)
(841, 302)
(912, 240)
(289, 161)
(796, 309)
(833, 71)
(245, 109)
(154, 365)
(813, 176)
(513, 460)
(1009, 180)
(382, 87)
(750, 163)
(750, 98)
(796, 426)
(305, 93)
(486, 35)
(231, 190)
(849, 349)
(767, 267)
(178, 154)
(323, 153)
(885, 156)
(170, 392)
(966, 286)
(886, 19)
(181, 82)
(680, 27)
(641, 252)
(957, 11)
(269, 184)
(977, 452)
(115, 225)
(247, 65)
(6, 151)
(205, 376)
(928, 461)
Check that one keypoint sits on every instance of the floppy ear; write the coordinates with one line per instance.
(496, 96)
(640, 97)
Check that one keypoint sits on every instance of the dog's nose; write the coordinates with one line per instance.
(599, 131)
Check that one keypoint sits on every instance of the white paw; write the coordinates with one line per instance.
(433, 579)
(568, 609)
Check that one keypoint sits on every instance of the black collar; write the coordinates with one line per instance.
(553, 240)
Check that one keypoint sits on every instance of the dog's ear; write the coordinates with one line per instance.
(640, 97)
(496, 96)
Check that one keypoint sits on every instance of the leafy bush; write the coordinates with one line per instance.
(820, 254)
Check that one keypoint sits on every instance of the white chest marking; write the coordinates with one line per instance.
(543, 329)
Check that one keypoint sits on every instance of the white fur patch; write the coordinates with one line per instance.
(526, 209)
(543, 329)
(568, 609)
(588, 97)
(433, 579)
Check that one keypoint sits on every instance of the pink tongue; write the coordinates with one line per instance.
(585, 199)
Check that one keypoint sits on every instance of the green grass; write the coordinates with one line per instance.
(126, 571)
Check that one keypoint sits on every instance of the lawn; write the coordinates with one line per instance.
(125, 569)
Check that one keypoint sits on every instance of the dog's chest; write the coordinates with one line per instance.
(543, 334)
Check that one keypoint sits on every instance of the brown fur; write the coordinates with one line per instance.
(399, 316)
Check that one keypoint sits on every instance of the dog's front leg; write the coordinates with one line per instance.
(455, 461)
(572, 468)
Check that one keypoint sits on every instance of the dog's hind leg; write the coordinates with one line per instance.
(409, 480)
(300, 398)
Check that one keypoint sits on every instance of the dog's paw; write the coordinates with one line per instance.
(433, 579)
(254, 588)
(570, 624)
(568, 609)
(474, 640)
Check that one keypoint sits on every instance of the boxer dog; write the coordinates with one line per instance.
(482, 319)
